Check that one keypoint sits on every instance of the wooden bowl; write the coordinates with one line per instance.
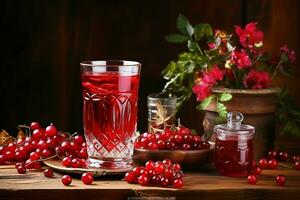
(189, 159)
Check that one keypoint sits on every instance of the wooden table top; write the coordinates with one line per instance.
(197, 185)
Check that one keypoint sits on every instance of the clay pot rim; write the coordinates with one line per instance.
(272, 90)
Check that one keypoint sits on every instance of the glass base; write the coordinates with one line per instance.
(110, 163)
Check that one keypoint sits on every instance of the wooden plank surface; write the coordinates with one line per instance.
(204, 185)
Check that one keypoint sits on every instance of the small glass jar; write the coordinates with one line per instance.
(234, 146)
(161, 111)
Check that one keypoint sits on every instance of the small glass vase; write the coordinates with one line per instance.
(161, 112)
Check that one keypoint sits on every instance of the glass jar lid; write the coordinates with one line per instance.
(234, 126)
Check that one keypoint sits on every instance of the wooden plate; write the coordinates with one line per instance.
(55, 164)
(190, 159)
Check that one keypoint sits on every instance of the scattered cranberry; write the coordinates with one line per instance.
(263, 163)
(256, 170)
(50, 131)
(66, 180)
(252, 179)
(283, 156)
(87, 178)
(21, 170)
(280, 180)
(48, 173)
(273, 164)
(297, 165)
(272, 154)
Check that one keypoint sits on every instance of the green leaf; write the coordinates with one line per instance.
(176, 38)
(222, 110)
(205, 102)
(203, 30)
(225, 96)
(169, 70)
(193, 46)
(184, 26)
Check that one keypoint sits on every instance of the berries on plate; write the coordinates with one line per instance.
(161, 173)
(177, 138)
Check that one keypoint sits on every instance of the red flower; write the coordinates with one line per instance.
(202, 90)
(250, 37)
(209, 79)
(241, 59)
(257, 80)
(214, 75)
(290, 54)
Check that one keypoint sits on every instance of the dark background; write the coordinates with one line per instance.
(43, 42)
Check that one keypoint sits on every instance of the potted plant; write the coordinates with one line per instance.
(230, 72)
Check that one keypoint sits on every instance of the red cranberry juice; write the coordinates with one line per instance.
(109, 113)
(234, 157)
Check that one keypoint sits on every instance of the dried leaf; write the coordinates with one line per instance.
(5, 138)
(21, 134)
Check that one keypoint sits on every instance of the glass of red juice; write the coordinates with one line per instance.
(110, 96)
(234, 146)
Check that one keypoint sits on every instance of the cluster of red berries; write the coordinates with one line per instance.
(28, 152)
(87, 177)
(272, 163)
(179, 138)
(161, 173)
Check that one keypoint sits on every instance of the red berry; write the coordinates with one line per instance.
(19, 164)
(168, 174)
(280, 180)
(74, 146)
(8, 156)
(149, 165)
(11, 147)
(178, 138)
(130, 177)
(66, 180)
(252, 179)
(159, 168)
(197, 139)
(34, 125)
(48, 173)
(83, 153)
(29, 164)
(87, 178)
(50, 131)
(2, 160)
(65, 146)
(205, 145)
(283, 156)
(161, 144)
(21, 170)
(152, 146)
(76, 163)
(143, 180)
(177, 167)
(42, 145)
(186, 146)
(188, 139)
(20, 155)
(46, 153)
(78, 139)
(165, 181)
(137, 170)
(37, 133)
(151, 137)
(295, 159)
(263, 163)
(297, 165)
(184, 131)
(178, 175)
(37, 165)
(256, 170)
(166, 134)
(177, 183)
(170, 145)
(167, 162)
(273, 164)
(272, 154)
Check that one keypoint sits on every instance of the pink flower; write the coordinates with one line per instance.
(241, 59)
(257, 80)
(290, 54)
(208, 80)
(250, 37)
(202, 90)
(213, 75)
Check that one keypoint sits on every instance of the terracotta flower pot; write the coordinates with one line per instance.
(258, 108)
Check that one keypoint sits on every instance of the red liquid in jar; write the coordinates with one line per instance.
(109, 113)
(234, 157)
